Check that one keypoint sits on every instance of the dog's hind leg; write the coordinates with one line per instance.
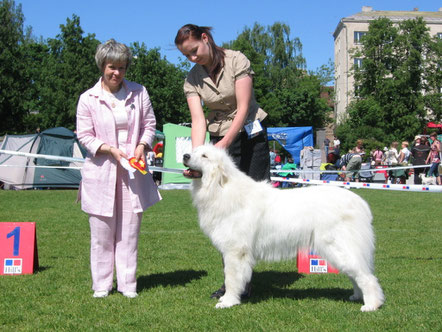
(357, 266)
(371, 291)
(237, 273)
(365, 284)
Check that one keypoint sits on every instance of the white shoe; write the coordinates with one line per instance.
(130, 295)
(99, 294)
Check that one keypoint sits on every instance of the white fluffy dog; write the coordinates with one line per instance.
(248, 221)
(427, 180)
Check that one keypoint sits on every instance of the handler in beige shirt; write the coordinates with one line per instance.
(222, 80)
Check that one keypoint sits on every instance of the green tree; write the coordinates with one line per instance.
(67, 69)
(13, 79)
(164, 82)
(283, 88)
(398, 86)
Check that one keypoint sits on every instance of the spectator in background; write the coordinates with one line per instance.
(419, 154)
(336, 145)
(404, 155)
(277, 159)
(272, 156)
(434, 158)
(326, 146)
(404, 158)
(289, 165)
(359, 147)
(330, 165)
(391, 160)
(377, 156)
(351, 162)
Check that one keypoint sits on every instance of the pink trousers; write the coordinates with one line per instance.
(114, 242)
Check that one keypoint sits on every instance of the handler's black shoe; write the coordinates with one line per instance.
(218, 293)
(247, 292)
(222, 290)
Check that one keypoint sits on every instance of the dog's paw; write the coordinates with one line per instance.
(367, 308)
(225, 302)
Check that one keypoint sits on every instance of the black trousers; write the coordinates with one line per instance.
(417, 171)
(250, 155)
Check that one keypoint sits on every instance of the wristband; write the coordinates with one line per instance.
(145, 145)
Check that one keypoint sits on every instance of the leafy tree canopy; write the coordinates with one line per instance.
(397, 87)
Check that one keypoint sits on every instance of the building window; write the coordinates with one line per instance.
(358, 63)
(358, 36)
(357, 91)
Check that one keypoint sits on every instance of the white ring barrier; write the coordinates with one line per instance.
(365, 185)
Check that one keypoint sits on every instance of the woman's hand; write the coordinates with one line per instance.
(224, 143)
(139, 153)
(117, 154)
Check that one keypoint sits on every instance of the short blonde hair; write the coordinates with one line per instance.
(405, 143)
(112, 51)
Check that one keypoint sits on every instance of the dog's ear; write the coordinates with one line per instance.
(223, 178)
(217, 176)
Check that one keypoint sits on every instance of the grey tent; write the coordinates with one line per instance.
(25, 173)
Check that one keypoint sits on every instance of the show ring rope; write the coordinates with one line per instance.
(364, 185)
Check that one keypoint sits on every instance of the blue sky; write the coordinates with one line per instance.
(156, 22)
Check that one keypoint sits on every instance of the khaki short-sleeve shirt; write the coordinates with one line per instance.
(220, 96)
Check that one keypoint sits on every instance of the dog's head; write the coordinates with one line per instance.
(213, 163)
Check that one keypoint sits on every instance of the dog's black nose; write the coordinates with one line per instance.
(186, 157)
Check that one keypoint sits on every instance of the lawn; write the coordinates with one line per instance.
(178, 269)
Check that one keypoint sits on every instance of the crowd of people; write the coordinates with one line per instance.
(423, 151)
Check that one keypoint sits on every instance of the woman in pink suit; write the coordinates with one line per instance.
(115, 121)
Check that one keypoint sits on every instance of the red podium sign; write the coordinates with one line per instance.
(308, 262)
(18, 248)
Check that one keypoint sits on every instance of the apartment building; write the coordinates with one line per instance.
(347, 36)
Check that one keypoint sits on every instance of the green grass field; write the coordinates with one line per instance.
(179, 268)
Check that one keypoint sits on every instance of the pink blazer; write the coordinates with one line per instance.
(95, 126)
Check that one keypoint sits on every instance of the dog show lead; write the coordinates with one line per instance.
(222, 79)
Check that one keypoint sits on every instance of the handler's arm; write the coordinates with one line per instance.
(243, 91)
(198, 133)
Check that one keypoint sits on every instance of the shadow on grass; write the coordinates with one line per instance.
(42, 268)
(272, 284)
(175, 278)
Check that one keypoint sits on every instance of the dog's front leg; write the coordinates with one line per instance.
(237, 273)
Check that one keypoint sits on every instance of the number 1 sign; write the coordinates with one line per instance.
(18, 248)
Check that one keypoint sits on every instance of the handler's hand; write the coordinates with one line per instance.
(139, 153)
(223, 144)
(117, 154)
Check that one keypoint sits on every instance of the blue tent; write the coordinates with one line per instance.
(293, 139)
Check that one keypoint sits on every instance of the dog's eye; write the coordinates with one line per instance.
(204, 156)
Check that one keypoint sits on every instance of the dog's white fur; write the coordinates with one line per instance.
(427, 180)
(248, 221)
